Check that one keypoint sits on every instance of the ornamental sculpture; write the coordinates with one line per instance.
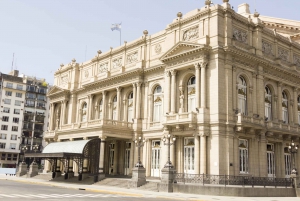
(283, 54)
(157, 48)
(64, 79)
(297, 60)
(102, 67)
(191, 33)
(86, 73)
(267, 48)
(240, 36)
(117, 63)
(132, 57)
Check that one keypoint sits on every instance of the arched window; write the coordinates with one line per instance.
(130, 107)
(191, 94)
(101, 109)
(285, 114)
(114, 108)
(298, 108)
(84, 112)
(268, 103)
(157, 104)
(242, 96)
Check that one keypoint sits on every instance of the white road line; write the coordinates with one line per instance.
(37, 196)
(18, 195)
(10, 196)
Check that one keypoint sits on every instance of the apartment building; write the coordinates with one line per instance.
(12, 96)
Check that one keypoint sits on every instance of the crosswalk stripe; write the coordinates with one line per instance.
(45, 196)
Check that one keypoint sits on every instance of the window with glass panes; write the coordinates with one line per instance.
(287, 162)
(6, 110)
(243, 149)
(5, 118)
(242, 95)
(9, 85)
(3, 136)
(19, 95)
(16, 111)
(19, 87)
(4, 127)
(268, 103)
(270, 160)
(2, 145)
(8, 93)
(18, 103)
(130, 107)
(13, 137)
(157, 104)
(7, 101)
(191, 90)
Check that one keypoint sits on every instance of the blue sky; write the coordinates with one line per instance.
(45, 33)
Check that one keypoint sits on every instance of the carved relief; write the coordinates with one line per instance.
(267, 48)
(86, 73)
(191, 33)
(157, 48)
(283, 54)
(117, 63)
(297, 60)
(240, 36)
(132, 57)
(64, 79)
(103, 67)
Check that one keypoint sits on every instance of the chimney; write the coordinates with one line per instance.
(14, 73)
(243, 9)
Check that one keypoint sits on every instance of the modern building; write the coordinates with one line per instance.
(224, 83)
(36, 110)
(12, 96)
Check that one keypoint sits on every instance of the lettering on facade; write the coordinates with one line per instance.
(157, 48)
(297, 60)
(267, 48)
(191, 33)
(132, 57)
(240, 35)
(103, 67)
(283, 54)
(117, 63)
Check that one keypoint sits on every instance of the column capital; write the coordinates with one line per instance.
(197, 65)
(279, 84)
(104, 93)
(119, 89)
(167, 73)
(133, 85)
(138, 84)
(203, 63)
(295, 89)
(90, 96)
(173, 72)
(234, 68)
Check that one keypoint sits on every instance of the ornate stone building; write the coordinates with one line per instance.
(224, 83)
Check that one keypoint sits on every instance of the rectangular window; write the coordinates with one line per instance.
(42, 90)
(30, 103)
(8, 157)
(41, 97)
(243, 148)
(4, 127)
(2, 145)
(14, 128)
(5, 118)
(16, 120)
(3, 136)
(3, 157)
(19, 95)
(16, 111)
(18, 103)
(8, 93)
(7, 101)
(9, 85)
(30, 95)
(12, 145)
(13, 137)
(19, 87)
(6, 110)
(270, 160)
(41, 105)
(15, 157)
(30, 88)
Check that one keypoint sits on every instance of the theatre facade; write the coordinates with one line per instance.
(225, 84)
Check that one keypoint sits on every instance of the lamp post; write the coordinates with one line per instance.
(24, 149)
(169, 143)
(293, 149)
(35, 148)
(139, 143)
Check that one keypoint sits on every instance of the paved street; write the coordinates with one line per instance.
(15, 188)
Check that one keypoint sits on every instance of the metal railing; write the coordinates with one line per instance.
(225, 180)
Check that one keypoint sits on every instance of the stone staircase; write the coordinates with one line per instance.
(45, 176)
(150, 186)
(116, 182)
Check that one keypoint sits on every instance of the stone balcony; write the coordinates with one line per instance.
(279, 127)
(244, 121)
(187, 118)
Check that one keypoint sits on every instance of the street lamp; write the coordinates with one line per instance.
(169, 143)
(293, 149)
(139, 143)
(35, 148)
(24, 149)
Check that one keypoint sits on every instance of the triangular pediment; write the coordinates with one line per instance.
(56, 90)
(181, 49)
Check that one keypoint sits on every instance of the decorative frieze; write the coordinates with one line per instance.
(117, 63)
(157, 48)
(240, 35)
(191, 33)
(103, 68)
(86, 73)
(283, 54)
(64, 79)
(267, 48)
(297, 60)
(132, 57)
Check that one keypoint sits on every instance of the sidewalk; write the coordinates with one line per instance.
(136, 192)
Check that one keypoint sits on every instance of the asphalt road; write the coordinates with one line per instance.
(12, 190)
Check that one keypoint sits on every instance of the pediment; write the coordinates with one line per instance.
(181, 49)
(56, 90)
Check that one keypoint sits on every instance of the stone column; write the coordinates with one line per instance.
(279, 102)
(173, 91)
(146, 105)
(134, 99)
(203, 84)
(78, 112)
(197, 155)
(138, 100)
(132, 148)
(90, 101)
(51, 116)
(150, 99)
(115, 167)
(148, 159)
(179, 155)
(197, 76)
(234, 88)
(203, 154)
(96, 112)
(274, 108)
(263, 154)
(295, 108)
(104, 115)
(167, 92)
(260, 93)
(254, 88)
(62, 113)
(119, 89)
(125, 109)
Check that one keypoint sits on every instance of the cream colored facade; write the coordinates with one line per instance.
(224, 83)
